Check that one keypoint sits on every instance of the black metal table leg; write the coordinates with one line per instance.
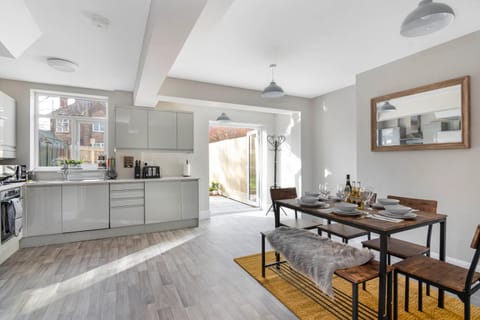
(263, 254)
(276, 211)
(382, 287)
(443, 235)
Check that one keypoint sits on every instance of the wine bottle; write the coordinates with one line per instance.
(353, 195)
(348, 188)
(359, 194)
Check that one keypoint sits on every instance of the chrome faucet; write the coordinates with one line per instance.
(65, 171)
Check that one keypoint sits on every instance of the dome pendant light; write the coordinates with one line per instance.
(387, 106)
(273, 90)
(223, 117)
(427, 18)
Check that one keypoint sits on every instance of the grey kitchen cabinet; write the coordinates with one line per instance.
(162, 201)
(43, 210)
(85, 207)
(127, 204)
(141, 128)
(189, 190)
(185, 131)
(131, 128)
(7, 127)
(162, 130)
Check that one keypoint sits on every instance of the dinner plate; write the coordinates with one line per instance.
(354, 213)
(334, 198)
(313, 205)
(378, 205)
(409, 215)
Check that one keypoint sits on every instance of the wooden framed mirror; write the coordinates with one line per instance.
(435, 116)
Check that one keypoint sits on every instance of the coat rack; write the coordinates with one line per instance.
(275, 142)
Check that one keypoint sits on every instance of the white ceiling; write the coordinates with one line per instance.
(319, 46)
(107, 59)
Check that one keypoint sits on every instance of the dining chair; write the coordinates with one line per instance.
(443, 275)
(403, 249)
(291, 193)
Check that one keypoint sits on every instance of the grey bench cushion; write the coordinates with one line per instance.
(316, 256)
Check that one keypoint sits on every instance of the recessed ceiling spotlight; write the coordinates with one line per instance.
(62, 64)
(97, 20)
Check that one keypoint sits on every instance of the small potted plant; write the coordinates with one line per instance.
(214, 188)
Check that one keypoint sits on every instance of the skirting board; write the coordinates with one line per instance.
(36, 241)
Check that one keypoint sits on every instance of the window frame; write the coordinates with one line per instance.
(62, 122)
(74, 125)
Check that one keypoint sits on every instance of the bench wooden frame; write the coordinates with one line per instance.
(354, 275)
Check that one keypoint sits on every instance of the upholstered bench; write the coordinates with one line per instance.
(319, 258)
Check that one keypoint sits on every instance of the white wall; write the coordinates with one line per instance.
(334, 132)
(449, 176)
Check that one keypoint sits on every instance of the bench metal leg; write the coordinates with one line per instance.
(420, 296)
(395, 295)
(389, 295)
(407, 293)
(354, 301)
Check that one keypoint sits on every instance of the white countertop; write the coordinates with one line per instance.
(11, 186)
(62, 182)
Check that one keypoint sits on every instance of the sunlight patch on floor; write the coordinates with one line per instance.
(39, 298)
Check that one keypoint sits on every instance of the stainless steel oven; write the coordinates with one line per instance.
(11, 210)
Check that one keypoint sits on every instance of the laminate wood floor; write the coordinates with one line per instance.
(183, 274)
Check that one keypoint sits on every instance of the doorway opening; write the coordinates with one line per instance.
(234, 155)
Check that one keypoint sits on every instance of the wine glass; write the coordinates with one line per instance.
(323, 188)
(367, 194)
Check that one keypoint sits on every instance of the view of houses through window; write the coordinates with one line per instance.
(69, 128)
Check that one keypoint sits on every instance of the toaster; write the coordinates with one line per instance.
(151, 172)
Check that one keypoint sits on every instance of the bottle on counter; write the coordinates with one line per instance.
(186, 169)
(137, 169)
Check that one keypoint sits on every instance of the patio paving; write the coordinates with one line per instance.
(222, 205)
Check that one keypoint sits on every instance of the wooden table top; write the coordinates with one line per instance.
(369, 224)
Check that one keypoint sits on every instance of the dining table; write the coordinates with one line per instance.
(373, 223)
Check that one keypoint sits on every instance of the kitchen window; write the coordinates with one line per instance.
(69, 127)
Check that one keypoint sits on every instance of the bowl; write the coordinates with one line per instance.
(388, 202)
(312, 194)
(346, 207)
(398, 209)
(308, 199)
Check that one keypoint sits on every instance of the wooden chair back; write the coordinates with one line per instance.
(473, 266)
(283, 193)
(476, 239)
(419, 204)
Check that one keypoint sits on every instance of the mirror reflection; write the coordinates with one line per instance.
(431, 116)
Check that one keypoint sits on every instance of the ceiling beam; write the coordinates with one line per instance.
(168, 27)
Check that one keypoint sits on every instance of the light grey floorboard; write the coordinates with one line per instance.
(186, 274)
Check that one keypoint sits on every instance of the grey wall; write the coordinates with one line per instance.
(449, 176)
(20, 91)
(334, 132)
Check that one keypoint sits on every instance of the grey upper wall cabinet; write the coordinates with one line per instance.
(185, 131)
(131, 128)
(141, 128)
(162, 130)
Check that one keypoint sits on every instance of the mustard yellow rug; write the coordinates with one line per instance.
(312, 304)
